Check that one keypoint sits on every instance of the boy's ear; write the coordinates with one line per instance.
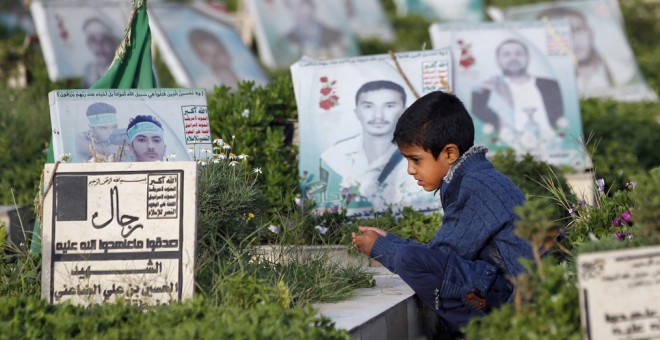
(452, 153)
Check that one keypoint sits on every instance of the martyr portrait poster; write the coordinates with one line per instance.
(287, 30)
(517, 80)
(131, 125)
(201, 47)
(443, 10)
(347, 111)
(79, 39)
(606, 65)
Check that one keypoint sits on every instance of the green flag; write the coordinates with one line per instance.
(132, 68)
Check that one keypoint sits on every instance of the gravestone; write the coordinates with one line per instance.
(620, 293)
(119, 231)
(18, 221)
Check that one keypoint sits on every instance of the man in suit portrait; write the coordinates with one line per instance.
(523, 109)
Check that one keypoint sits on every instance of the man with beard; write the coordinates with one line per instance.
(102, 43)
(523, 109)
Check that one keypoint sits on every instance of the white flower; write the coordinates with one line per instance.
(274, 229)
(245, 113)
(219, 142)
(222, 156)
(322, 230)
(202, 163)
(233, 163)
(216, 161)
(298, 201)
(257, 170)
(243, 156)
(226, 146)
(206, 150)
(66, 157)
(191, 150)
(488, 128)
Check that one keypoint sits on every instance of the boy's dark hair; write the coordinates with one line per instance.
(143, 118)
(380, 85)
(433, 121)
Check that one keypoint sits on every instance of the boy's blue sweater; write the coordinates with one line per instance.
(478, 217)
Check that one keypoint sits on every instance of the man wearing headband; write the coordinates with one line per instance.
(145, 136)
(102, 138)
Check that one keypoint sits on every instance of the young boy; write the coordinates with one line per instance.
(465, 270)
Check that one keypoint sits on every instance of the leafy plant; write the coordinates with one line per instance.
(228, 198)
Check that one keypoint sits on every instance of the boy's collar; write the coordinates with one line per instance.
(475, 149)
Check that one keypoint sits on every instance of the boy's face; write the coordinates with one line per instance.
(148, 147)
(103, 132)
(427, 170)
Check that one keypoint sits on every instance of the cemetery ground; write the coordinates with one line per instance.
(255, 202)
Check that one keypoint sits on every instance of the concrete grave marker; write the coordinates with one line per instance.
(620, 293)
(119, 231)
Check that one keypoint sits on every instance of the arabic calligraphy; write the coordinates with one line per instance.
(124, 221)
(162, 196)
(196, 125)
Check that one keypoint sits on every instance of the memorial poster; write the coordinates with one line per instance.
(347, 111)
(367, 18)
(606, 65)
(132, 125)
(443, 10)
(200, 46)
(620, 293)
(287, 30)
(79, 39)
(116, 231)
(517, 79)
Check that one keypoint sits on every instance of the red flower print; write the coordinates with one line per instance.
(329, 98)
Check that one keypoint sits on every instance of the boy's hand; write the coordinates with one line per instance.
(365, 241)
(380, 232)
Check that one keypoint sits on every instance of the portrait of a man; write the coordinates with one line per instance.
(102, 43)
(212, 52)
(311, 37)
(523, 108)
(605, 65)
(103, 139)
(146, 138)
(593, 72)
(368, 164)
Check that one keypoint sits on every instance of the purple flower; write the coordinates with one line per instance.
(571, 211)
(583, 204)
(562, 233)
(619, 235)
(631, 184)
(626, 217)
(617, 221)
(601, 186)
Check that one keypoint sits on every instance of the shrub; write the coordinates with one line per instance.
(31, 317)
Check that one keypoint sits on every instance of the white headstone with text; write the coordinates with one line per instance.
(620, 294)
(119, 231)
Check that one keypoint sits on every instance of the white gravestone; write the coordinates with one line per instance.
(119, 231)
(620, 294)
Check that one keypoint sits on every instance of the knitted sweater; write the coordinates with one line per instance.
(478, 217)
